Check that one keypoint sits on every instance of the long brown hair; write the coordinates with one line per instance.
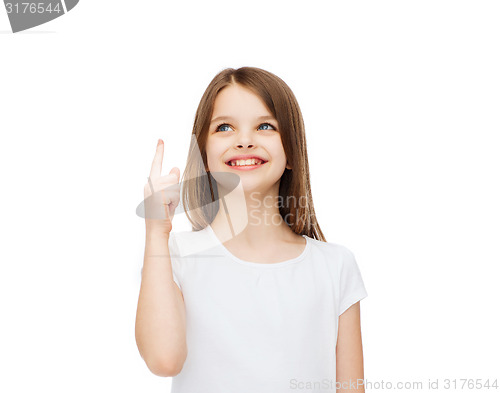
(199, 192)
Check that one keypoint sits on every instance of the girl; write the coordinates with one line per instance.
(253, 299)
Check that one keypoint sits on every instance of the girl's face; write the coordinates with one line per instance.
(241, 125)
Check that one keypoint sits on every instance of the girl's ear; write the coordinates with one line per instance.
(288, 166)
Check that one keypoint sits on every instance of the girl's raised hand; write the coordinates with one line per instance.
(161, 195)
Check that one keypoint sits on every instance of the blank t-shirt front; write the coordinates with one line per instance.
(261, 328)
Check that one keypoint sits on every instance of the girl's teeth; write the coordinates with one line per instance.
(251, 161)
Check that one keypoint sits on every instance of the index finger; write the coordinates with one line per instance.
(157, 160)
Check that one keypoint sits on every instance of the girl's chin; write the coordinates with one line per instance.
(256, 184)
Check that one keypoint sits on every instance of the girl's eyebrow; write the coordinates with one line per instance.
(231, 118)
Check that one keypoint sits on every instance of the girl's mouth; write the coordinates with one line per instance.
(246, 165)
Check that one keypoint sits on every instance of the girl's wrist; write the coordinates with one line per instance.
(156, 233)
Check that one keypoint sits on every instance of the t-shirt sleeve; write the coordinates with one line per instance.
(352, 287)
(175, 260)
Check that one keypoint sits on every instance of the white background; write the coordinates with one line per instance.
(401, 105)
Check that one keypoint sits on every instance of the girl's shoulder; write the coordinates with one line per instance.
(191, 242)
(334, 253)
(329, 247)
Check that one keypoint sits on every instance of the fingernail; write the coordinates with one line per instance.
(159, 141)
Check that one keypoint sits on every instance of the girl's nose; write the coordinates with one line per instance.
(240, 145)
(244, 140)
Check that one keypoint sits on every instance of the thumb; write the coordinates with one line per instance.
(177, 172)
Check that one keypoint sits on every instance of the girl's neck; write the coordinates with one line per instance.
(251, 217)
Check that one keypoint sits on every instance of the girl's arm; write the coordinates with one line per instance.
(160, 328)
(350, 352)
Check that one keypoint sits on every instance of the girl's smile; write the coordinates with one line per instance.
(246, 162)
(245, 167)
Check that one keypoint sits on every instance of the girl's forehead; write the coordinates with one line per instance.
(239, 102)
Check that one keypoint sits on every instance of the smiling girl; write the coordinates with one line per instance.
(253, 299)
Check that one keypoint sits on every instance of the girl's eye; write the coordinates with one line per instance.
(267, 124)
(227, 125)
(221, 125)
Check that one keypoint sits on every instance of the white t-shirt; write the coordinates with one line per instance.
(261, 328)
